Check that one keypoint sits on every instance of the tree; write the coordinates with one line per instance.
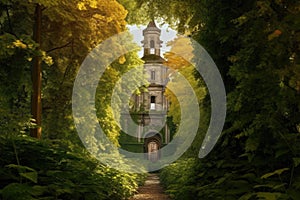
(16, 55)
(36, 102)
(180, 66)
(69, 31)
(87, 24)
(179, 13)
(180, 61)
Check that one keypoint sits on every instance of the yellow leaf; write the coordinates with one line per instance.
(122, 60)
(20, 44)
(81, 6)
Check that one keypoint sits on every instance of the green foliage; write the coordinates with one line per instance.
(179, 12)
(108, 83)
(227, 179)
(278, 172)
(32, 169)
(177, 181)
(73, 30)
(23, 172)
(15, 86)
(255, 45)
(70, 30)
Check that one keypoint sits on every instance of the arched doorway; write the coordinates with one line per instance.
(152, 144)
(153, 151)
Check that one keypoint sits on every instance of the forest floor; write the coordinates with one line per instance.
(151, 190)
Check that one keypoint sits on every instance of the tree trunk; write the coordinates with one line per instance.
(36, 102)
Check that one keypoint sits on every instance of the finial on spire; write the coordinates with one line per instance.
(152, 24)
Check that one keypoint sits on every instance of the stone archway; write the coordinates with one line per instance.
(152, 144)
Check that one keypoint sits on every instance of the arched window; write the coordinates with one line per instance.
(152, 46)
(153, 75)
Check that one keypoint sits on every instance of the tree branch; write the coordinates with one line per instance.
(9, 23)
(60, 47)
(8, 19)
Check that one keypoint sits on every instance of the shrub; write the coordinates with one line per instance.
(35, 169)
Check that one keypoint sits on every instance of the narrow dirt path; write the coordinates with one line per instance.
(151, 190)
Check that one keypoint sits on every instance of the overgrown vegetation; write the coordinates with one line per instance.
(53, 169)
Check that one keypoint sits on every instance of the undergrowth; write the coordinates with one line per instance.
(32, 169)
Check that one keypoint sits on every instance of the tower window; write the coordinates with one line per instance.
(152, 75)
(152, 50)
(152, 103)
(152, 44)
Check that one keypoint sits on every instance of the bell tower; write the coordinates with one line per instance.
(151, 101)
(154, 70)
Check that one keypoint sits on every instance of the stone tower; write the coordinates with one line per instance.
(151, 105)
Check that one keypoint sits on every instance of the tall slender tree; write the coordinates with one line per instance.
(36, 104)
